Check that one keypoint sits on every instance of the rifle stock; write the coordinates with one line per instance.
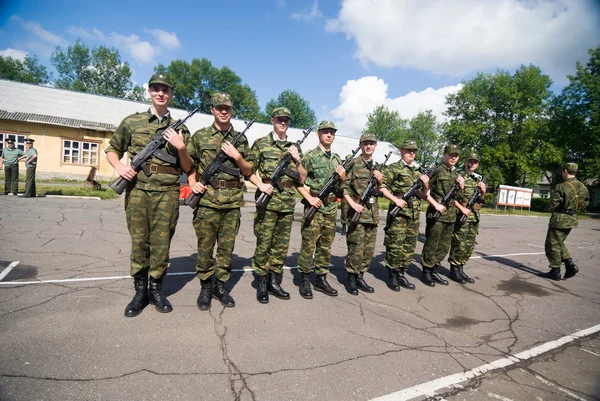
(368, 192)
(474, 198)
(412, 191)
(450, 193)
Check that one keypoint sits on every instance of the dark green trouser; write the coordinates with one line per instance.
(555, 247)
(30, 182)
(215, 226)
(437, 244)
(11, 179)
(400, 242)
(317, 238)
(151, 220)
(361, 247)
(272, 230)
(463, 243)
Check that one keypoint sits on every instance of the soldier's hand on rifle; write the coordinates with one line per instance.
(314, 201)
(293, 150)
(358, 208)
(127, 172)
(425, 179)
(464, 210)
(461, 182)
(439, 207)
(266, 188)
(198, 188)
(482, 186)
(377, 174)
(174, 138)
(341, 172)
(230, 150)
(400, 203)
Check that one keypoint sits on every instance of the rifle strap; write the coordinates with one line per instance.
(576, 195)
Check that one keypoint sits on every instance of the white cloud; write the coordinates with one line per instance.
(311, 15)
(39, 31)
(141, 51)
(84, 33)
(166, 39)
(13, 53)
(457, 37)
(359, 97)
(280, 3)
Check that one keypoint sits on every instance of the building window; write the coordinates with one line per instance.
(19, 140)
(80, 152)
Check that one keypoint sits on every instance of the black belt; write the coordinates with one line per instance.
(229, 184)
(155, 168)
(284, 184)
(569, 212)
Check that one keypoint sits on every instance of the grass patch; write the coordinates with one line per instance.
(70, 191)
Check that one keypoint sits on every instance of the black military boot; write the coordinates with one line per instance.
(323, 286)
(362, 284)
(156, 296)
(464, 275)
(436, 277)
(220, 293)
(352, 288)
(394, 284)
(305, 289)
(262, 295)
(274, 288)
(553, 274)
(426, 277)
(571, 268)
(205, 296)
(456, 276)
(140, 299)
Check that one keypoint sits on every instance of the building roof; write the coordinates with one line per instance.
(46, 105)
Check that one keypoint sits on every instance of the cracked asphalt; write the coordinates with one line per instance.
(68, 340)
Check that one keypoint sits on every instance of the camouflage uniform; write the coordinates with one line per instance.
(273, 225)
(10, 158)
(217, 218)
(401, 233)
(464, 235)
(151, 203)
(318, 236)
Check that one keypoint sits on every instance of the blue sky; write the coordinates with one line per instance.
(344, 57)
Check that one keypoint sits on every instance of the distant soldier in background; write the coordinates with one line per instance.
(464, 235)
(30, 159)
(10, 161)
(566, 199)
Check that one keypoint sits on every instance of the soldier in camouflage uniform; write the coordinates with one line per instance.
(273, 225)
(439, 232)
(464, 235)
(566, 200)
(317, 236)
(151, 202)
(361, 236)
(402, 232)
(217, 217)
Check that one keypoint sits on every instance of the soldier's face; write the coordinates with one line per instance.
(326, 136)
(473, 163)
(408, 155)
(281, 124)
(222, 113)
(160, 95)
(451, 158)
(368, 147)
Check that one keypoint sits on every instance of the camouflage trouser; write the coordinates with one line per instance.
(218, 226)
(317, 238)
(30, 182)
(11, 179)
(463, 243)
(361, 247)
(344, 209)
(151, 220)
(272, 230)
(555, 247)
(437, 244)
(400, 242)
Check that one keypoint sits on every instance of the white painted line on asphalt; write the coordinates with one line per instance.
(508, 254)
(537, 246)
(429, 388)
(559, 388)
(8, 269)
(588, 351)
(498, 397)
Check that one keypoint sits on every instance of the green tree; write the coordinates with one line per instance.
(504, 118)
(99, 71)
(195, 83)
(387, 125)
(425, 130)
(28, 70)
(302, 115)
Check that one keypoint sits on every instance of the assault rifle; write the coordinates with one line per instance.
(327, 188)
(207, 176)
(451, 193)
(154, 148)
(281, 170)
(368, 192)
(475, 198)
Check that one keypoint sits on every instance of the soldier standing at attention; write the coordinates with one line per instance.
(464, 235)
(30, 159)
(402, 232)
(217, 218)
(10, 161)
(565, 200)
(361, 236)
(151, 202)
(317, 236)
(439, 232)
(273, 225)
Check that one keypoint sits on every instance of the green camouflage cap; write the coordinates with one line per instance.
(28, 140)
(221, 99)
(325, 125)
(409, 144)
(10, 140)
(472, 156)
(368, 136)
(281, 112)
(571, 168)
(160, 79)
(448, 149)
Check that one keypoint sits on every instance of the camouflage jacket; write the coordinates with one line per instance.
(565, 200)
(206, 143)
(319, 168)
(471, 181)
(398, 178)
(440, 183)
(133, 134)
(358, 175)
(265, 156)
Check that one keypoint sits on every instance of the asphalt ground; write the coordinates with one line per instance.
(509, 336)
